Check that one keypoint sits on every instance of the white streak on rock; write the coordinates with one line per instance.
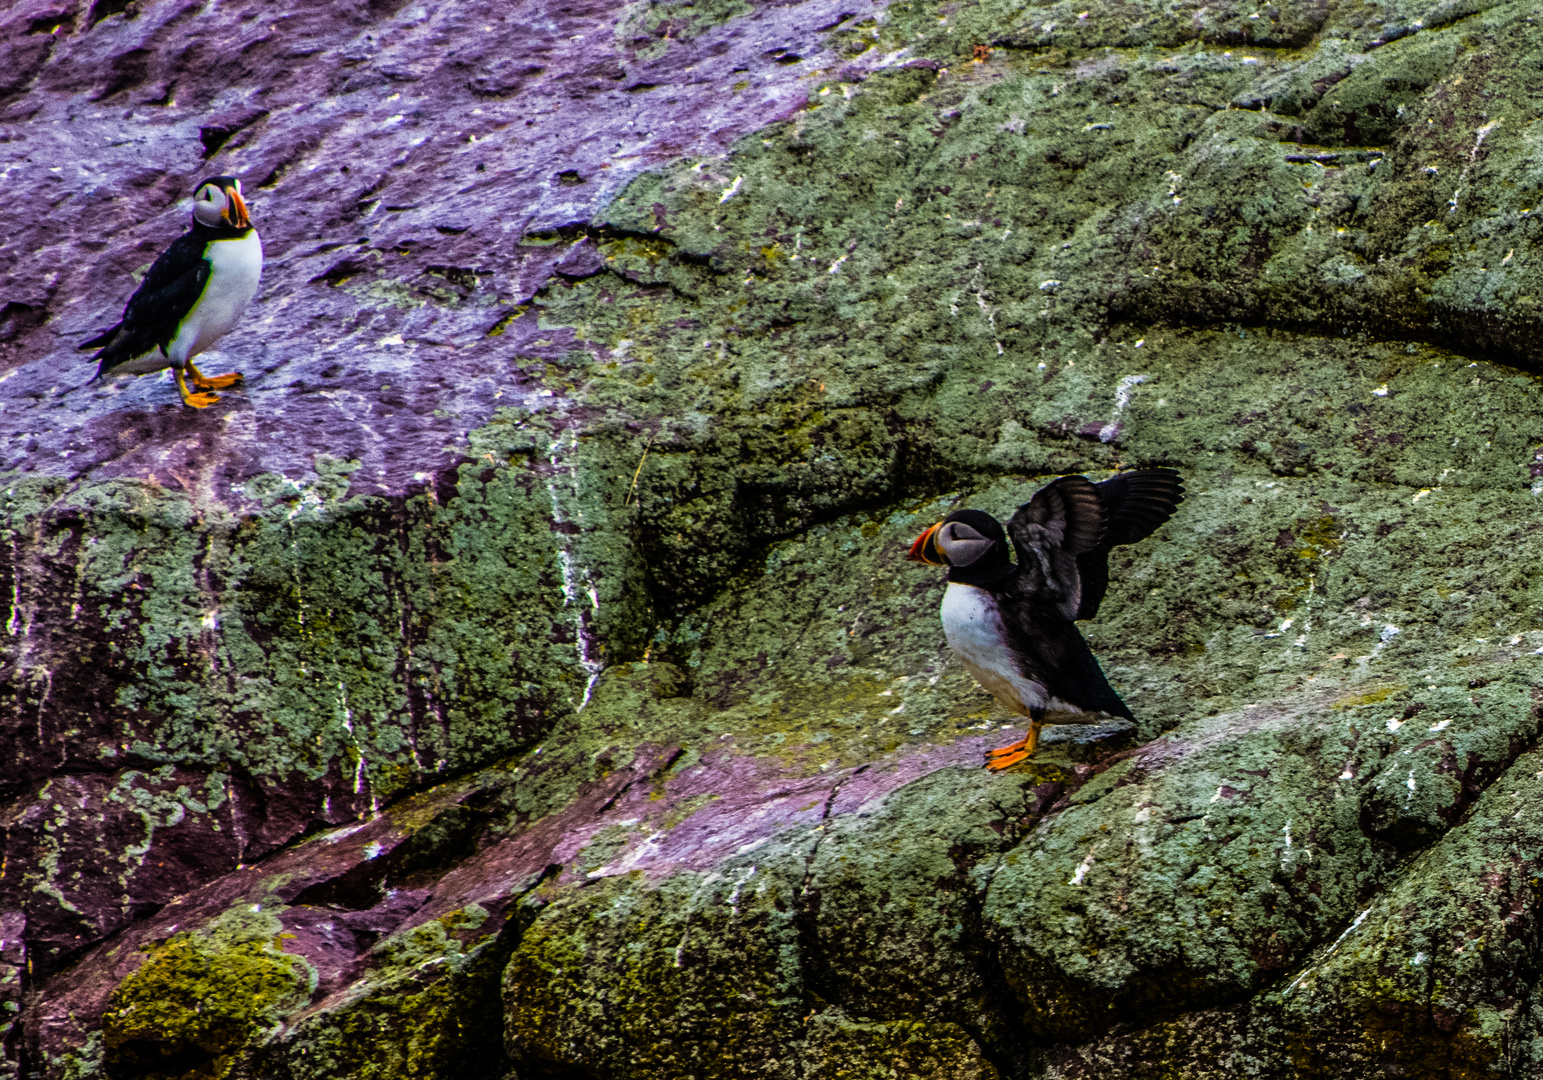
(1359, 919)
(1122, 396)
(1082, 871)
(738, 885)
(576, 578)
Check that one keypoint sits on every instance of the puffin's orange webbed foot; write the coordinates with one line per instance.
(192, 400)
(1008, 756)
(1007, 761)
(217, 382)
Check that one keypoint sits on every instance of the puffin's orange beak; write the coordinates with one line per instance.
(925, 549)
(235, 212)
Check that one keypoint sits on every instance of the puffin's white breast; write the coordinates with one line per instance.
(235, 269)
(975, 632)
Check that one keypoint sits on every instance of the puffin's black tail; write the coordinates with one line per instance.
(1075, 676)
(102, 340)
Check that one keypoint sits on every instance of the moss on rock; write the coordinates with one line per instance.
(1286, 251)
(697, 976)
(842, 1048)
(200, 996)
(427, 1007)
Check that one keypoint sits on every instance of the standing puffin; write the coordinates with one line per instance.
(192, 296)
(1012, 624)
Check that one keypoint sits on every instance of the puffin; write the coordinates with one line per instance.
(1014, 624)
(193, 294)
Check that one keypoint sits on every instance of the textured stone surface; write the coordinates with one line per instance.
(396, 155)
(522, 676)
(243, 659)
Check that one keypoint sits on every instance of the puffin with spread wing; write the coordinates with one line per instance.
(1014, 624)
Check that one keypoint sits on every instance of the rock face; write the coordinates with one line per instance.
(521, 677)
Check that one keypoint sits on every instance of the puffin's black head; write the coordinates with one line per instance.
(971, 543)
(217, 203)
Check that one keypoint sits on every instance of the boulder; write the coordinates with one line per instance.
(520, 675)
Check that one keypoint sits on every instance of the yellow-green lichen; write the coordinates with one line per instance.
(200, 996)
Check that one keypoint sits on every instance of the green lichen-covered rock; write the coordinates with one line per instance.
(1183, 877)
(1423, 981)
(697, 977)
(853, 1050)
(235, 680)
(895, 893)
(428, 1006)
(730, 820)
(1434, 967)
(200, 996)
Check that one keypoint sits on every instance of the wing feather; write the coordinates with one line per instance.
(1069, 512)
(171, 287)
(1064, 519)
(1138, 503)
(1135, 504)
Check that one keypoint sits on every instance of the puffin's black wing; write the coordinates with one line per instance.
(103, 339)
(172, 286)
(172, 264)
(1135, 505)
(1055, 654)
(1064, 519)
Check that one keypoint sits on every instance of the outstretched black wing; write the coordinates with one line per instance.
(1064, 520)
(1062, 537)
(172, 286)
(1135, 504)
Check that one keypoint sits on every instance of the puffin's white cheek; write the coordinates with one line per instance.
(963, 552)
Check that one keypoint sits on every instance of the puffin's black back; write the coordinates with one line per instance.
(1063, 536)
(172, 286)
